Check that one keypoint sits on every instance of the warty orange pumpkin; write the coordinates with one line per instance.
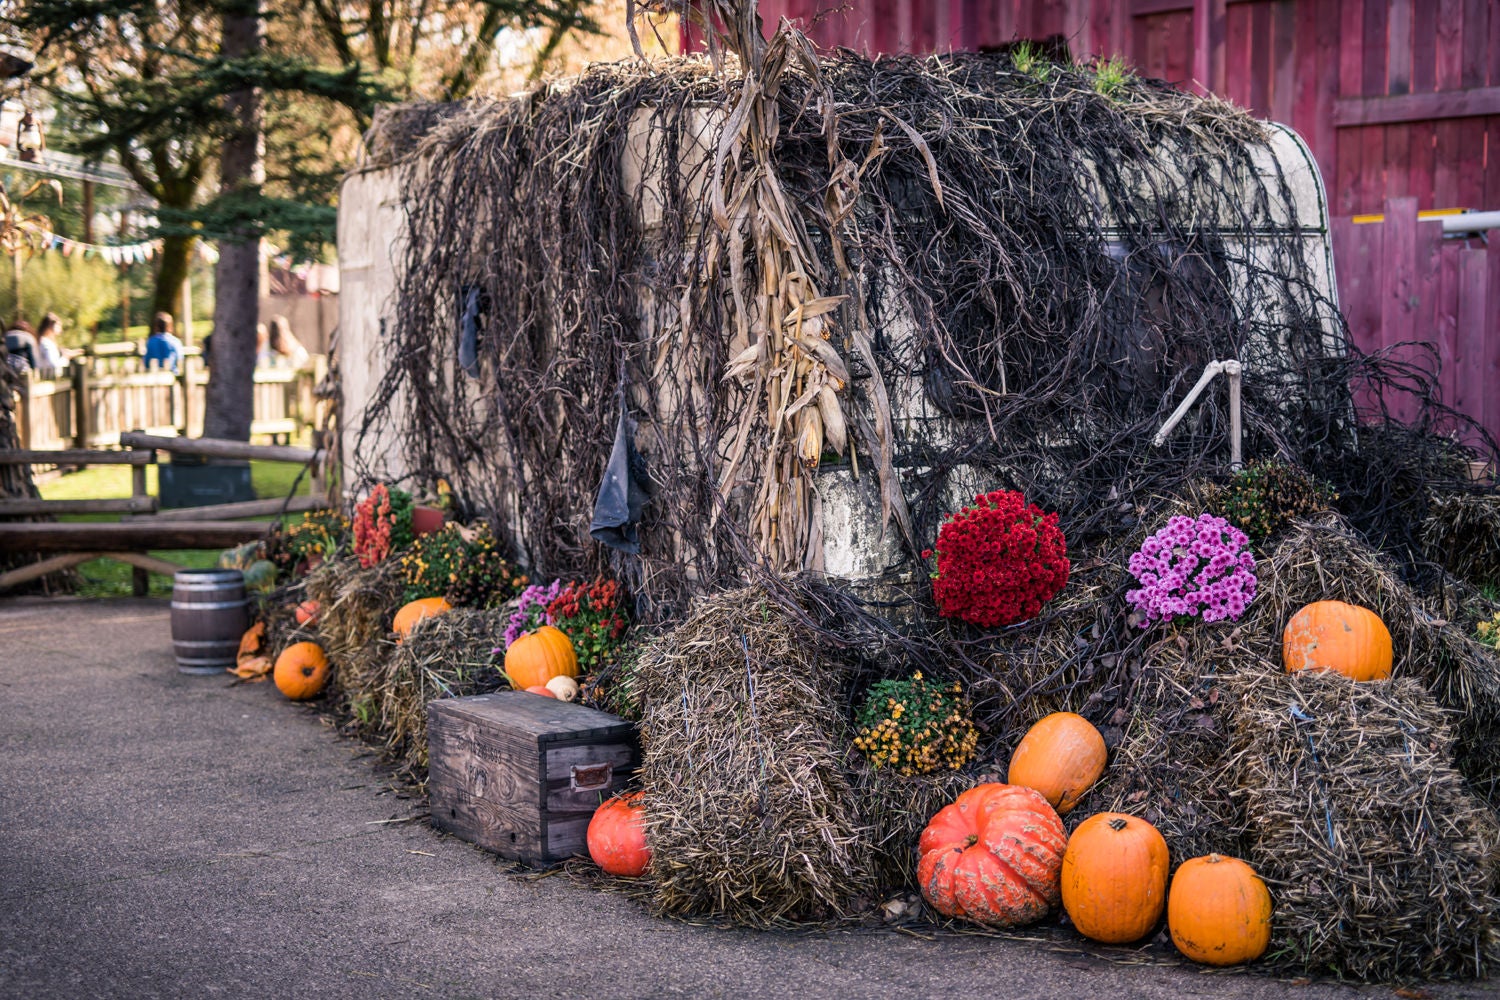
(993, 856)
(301, 671)
(1061, 757)
(537, 657)
(1344, 638)
(1114, 878)
(617, 836)
(1219, 911)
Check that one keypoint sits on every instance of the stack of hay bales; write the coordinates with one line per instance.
(1462, 534)
(356, 606)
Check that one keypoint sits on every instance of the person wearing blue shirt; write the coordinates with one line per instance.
(162, 347)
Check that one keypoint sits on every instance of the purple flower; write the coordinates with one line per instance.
(1193, 566)
(531, 610)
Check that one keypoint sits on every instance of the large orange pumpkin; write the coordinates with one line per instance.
(410, 614)
(1061, 757)
(537, 657)
(301, 671)
(993, 856)
(1114, 878)
(617, 836)
(1345, 638)
(1219, 911)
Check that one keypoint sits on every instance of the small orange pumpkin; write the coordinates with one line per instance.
(542, 690)
(993, 856)
(307, 613)
(410, 614)
(1219, 911)
(537, 657)
(617, 836)
(301, 671)
(1061, 757)
(1114, 878)
(1344, 638)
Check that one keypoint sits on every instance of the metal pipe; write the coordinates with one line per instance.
(1471, 222)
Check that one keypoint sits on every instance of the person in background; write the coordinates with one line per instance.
(50, 355)
(20, 346)
(162, 347)
(264, 358)
(287, 349)
(208, 350)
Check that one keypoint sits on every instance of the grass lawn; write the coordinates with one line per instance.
(107, 578)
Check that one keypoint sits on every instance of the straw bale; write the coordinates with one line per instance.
(356, 607)
(448, 656)
(1462, 534)
(1381, 863)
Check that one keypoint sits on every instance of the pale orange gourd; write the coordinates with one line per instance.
(993, 856)
(1061, 757)
(542, 690)
(1219, 911)
(415, 611)
(307, 613)
(1344, 638)
(537, 657)
(301, 671)
(1114, 878)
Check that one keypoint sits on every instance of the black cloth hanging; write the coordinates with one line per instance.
(468, 330)
(622, 492)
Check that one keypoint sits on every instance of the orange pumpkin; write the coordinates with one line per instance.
(1061, 757)
(617, 836)
(537, 657)
(307, 613)
(301, 671)
(1114, 878)
(1219, 911)
(410, 614)
(993, 856)
(1344, 638)
(542, 690)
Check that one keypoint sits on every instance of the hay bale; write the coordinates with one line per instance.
(1462, 534)
(1171, 765)
(1325, 560)
(356, 607)
(449, 656)
(745, 742)
(1381, 863)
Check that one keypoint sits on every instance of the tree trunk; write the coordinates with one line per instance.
(242, 171)
(173, 264)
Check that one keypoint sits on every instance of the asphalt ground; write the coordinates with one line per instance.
(164, 835)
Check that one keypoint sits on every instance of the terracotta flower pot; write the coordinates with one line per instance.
(425, 520)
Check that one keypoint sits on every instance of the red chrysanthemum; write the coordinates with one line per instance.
(999, 561)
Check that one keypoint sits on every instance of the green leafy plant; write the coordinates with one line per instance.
(593, 616)
(1030, 59)
(1111, 75)
(1264, 496)
(916, 726)
(461, 564)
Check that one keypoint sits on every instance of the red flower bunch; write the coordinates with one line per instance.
(998, 561)
(592, 616)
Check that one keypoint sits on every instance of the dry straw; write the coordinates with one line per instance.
(759, 811)
(1380, 861)
(449, 656)
(355, 615)
(1462, 534)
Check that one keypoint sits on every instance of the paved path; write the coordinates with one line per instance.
(171, 836)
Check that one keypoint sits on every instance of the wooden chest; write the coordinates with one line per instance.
(520, 774)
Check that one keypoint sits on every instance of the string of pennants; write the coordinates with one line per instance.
(128, 253)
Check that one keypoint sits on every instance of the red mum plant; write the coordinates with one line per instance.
(998, 561)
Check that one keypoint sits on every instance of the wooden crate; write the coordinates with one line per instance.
(521, 775)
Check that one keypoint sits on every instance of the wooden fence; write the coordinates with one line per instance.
(1402, 280)
(96, 399)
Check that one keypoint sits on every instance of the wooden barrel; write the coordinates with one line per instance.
(210, 614)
